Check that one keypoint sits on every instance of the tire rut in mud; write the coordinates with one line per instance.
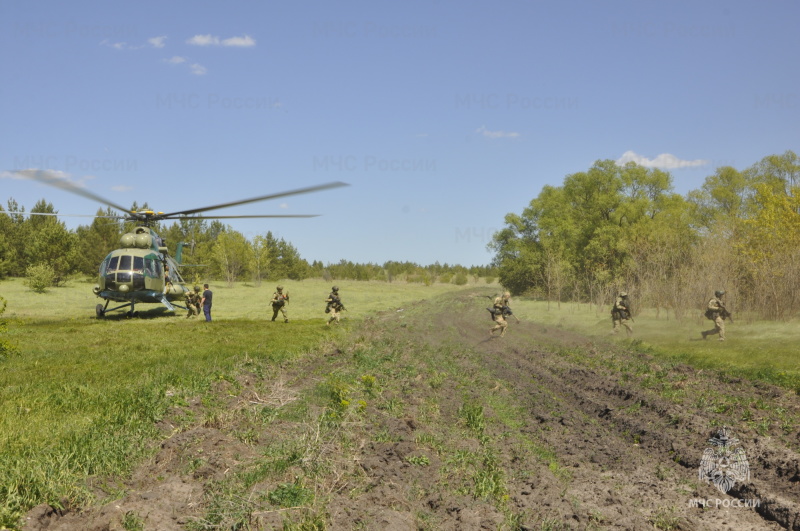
(620, 436)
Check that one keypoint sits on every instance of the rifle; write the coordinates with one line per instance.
(725, 314)
(335, 302)
(621, 314)
(504, 312)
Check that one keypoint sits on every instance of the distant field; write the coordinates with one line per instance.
(243, 300)
(766, 349)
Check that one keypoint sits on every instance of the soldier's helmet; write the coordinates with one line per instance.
(197, 288)
(719, 293)
(623, 294)
(279, 288)
(335, 288)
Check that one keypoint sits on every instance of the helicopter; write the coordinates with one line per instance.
(142, 270)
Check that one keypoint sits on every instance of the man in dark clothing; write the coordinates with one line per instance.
(206, 302)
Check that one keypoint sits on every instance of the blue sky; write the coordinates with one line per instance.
(443, 116)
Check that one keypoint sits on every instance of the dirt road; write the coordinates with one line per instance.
(422, 421)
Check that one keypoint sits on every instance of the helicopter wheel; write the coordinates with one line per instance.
(99, 311)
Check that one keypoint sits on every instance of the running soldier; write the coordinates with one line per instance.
(501, 309)
(621, 314)
(716, 311)
(279, 302)
(334, 306)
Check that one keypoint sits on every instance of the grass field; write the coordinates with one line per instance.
(768, 350)
(241, 301)
(84, 396)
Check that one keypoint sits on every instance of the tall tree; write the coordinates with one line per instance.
(95, 241)
(231, 255)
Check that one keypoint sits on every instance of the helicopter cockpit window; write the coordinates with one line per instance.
(138, 272)
(125, 262)
(112, 264)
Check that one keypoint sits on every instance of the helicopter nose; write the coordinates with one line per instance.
(124, 288)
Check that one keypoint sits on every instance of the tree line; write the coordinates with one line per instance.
(208, 250)
(615, 228)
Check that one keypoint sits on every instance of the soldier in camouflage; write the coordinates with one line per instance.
(193, 302)
(715, 311)
(499, 307)
(334, 306)
(621, 314)
(279, 302)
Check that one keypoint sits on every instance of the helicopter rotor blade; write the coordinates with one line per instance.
(248, 216)
(59, 215)
(57, 180)
(317, 188)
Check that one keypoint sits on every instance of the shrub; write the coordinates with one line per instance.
(39, 277)
(6, 348)
(460, 279)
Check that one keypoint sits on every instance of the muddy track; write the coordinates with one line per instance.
(623, 439)
(605, 437)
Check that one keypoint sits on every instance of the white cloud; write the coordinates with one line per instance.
(665, 161)
(203, 40)
(122, 188)
(283, 205)
(496, 134)
(175, 60)
(115, 45)
(244, 41)
(198, 69)
(157, 42)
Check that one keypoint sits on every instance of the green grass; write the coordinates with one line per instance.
(243, 300)
(765, 350)
(82, 396)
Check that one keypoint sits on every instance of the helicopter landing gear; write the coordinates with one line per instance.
(99, 310)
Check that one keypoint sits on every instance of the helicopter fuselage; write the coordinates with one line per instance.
(141, 271)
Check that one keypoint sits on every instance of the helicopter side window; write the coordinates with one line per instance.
(158, 270)
(149, 269)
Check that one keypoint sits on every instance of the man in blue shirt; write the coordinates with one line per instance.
(206, 302)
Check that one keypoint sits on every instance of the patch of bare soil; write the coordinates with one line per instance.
(617, 436)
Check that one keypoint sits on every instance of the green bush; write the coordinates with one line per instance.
(39, 277)
(6, 348)
(460, 279)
